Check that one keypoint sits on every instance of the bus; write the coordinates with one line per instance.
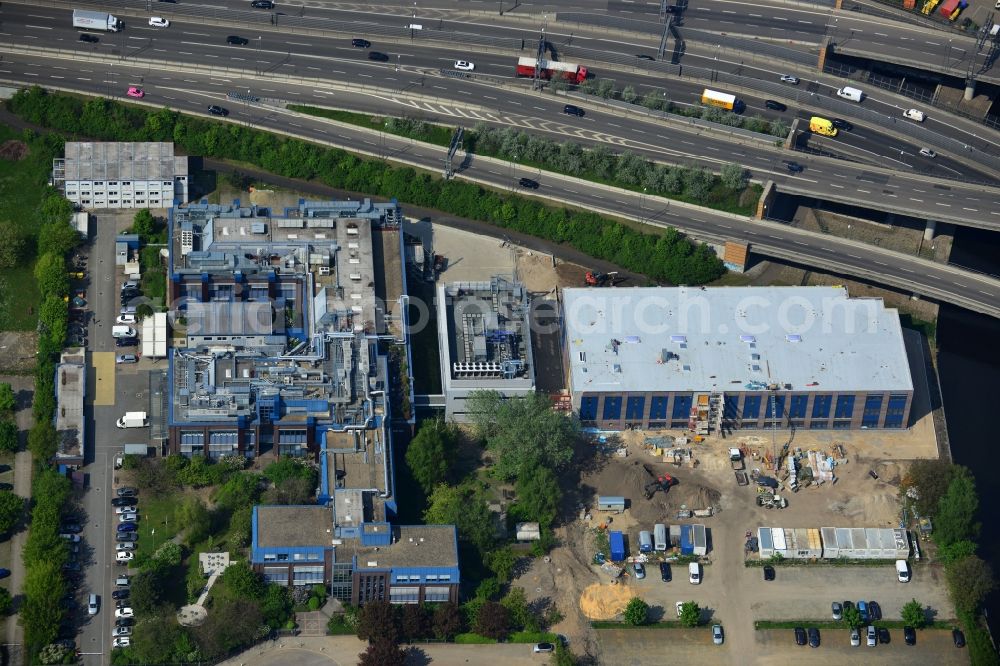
(822, 126)
(721, 100)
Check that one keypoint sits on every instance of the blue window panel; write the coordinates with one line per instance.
(731, 408)
(779, 406)
(658, 408)
(897, 405)
(873, 405)
(612, 408)
(635, 407)
(751, 407)
(682, 407)
(588, 408)
(817, 425)
(893, 421)
(797, 410)
(869, 420)
(845, 407)
(821, 406)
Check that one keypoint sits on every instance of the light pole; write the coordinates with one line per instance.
(249, 117)
(513, 170)
(259, 69)
(397, 61)
(413, 21)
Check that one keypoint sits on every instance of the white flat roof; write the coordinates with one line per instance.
(731, 339)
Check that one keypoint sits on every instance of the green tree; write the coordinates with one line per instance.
(538, 496)
(8, 435)
(926, 482)
(294, 490)
(12, 248)
(276, 607)
(502, 562)
(11, 510)
(243, 581)
(628, 94)
(287, 468)
(146, 589)
(240, 490)
(50, 273)
(58, 238)
(240, 526)
(913, 614)
(492, 621)
(465, 507)
(956, 551)
(42, 441)
(42, 610)
(957, 510)
(852, 617)
(636, 612)
(6, 602)
(970, 581)
(562, 656)
(143, 224)
(169, 554)
(488, 589)
(734, 176)
(690, 614)
(431, 453)
(518, 610)
(523, 432)
(232, 622)
(382, 652)
(447, 621)
(197, 522)
(8, 401)
(415, 622)
(378, 621)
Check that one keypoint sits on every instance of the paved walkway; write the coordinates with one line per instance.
(23, 388)
(344, 651)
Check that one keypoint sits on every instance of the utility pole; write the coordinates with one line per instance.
(538, 56)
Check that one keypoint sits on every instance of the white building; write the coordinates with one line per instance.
(121, 175)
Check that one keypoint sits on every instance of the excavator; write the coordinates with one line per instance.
(662, 482)
(596, 279)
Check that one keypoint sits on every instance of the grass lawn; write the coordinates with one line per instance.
(156, 523)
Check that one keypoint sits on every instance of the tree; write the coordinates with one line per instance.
(287, 468)
(431, 453)
(50, 273)
(636, 612)
(502, 562)
(970, 581)
(415, 622)
(690, 614)
(193, 514)
(42, 441)
(8, 401)
(146, 589)
(243, 581)
(447, 621)
(628, 94)
(538, 496)
(240, 526)
(144, 224)
(377, 621)
(852, 617)
(276, 607)
(239, 491)
(168, 554)
(382, 653)
(926, 482)
(465, 507)
(956, 551)
(521, 617)
(488, 589)
(562, 656)
(12, 248)
(11, 510)
(43, 609)
(957, 511)
(913, 614)
(5, 601)
(8, 436)
(733, 176)
(523, 432)
(58, 237)
(492, 621)
(232, 622)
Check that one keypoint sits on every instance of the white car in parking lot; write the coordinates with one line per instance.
(124, 509)
(159, 22)
(122, 631)
(122, 642)
(124, 612)
(464, 65)
(128, 517)
(125, 546)
(121, 557)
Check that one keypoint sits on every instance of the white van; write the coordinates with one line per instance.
(122, 332)
(914, 114)
(660, 537)
(694, 573)
(902, 571)
(852, 94)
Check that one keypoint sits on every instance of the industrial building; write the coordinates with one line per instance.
(70, 424)
(484, 340)
(287, 320)
(725, 358)
(855, 543)
(112, 174)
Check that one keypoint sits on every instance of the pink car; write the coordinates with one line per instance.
(135, 92)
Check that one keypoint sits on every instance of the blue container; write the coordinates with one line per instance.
(687, 540)
(617, 542)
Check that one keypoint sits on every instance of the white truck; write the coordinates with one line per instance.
(133, 420)
(87, 20)
(853, 94)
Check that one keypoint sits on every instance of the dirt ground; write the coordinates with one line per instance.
(14, 359)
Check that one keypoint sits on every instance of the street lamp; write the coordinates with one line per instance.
(513, 170)
(413, 21)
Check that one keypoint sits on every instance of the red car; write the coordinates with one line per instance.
(135, 92)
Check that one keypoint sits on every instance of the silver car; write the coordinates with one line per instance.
(717, 636)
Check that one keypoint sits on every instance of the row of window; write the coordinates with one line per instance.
(153, 202)
(95, 183)
(429, 578)
(775, 406)
(297, 557)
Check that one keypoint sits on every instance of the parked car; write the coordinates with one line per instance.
(800, 636)
(237, 40)
(126, 319)
(158, 22)
(93, 605)
(125, 622)
(640, 571)
(813, 637)
(768, 573)
(126, 342)
(126, 358)
(123, 501)
(528, 183)
(121, 580)
(125, 546)
(127, 491)
(120, 594)
(838, 610)
(680, 607)
(130, 508)
(775, 105)
(128, 517)
(464, 65)
(874, 610)
(136, 92)
(909, 636)
(90, 39)
(958, 637)
(126, 536)
(71, 566)
(665, 574)
(543, 647)
(121, 642)
(72, 538)
(872, 637)
(216, 110)
(121, 631)
(124, 612)
(863, 610)
(855, 637)
(788, 78)
(883, 635)
(123, 556)
(128, 527)
(717, 636)
(71, 528)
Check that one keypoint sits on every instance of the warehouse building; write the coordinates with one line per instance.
(113, 174)
(712, 359)
(484, 340)
(830, 543)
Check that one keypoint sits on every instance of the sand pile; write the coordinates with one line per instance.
(604, 601)
(876, 509)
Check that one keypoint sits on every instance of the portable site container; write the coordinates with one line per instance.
(765, 542)
(660, 537)
(831, 546)
(645, 541)
(700, 538)
(675, 535)
(687, 540)
(610, 503)
(616, 541)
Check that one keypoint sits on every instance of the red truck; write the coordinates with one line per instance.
(551, 69)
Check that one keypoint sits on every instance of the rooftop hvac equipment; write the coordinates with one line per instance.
(469, 369)
(324, 270)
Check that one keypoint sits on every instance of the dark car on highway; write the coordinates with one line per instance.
(800, 636)
(376, 55)
(840, 123)
(665, 574)
(218, 110)
(361, 43)
(528, 183)
(909, 636)
(572, 110)
(813, 637)
(777, 106)
(238, 41)
(90, 39)
(262, 4)
(643, 56)
(794, 167)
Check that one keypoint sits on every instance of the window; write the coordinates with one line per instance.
(730, 407)
(751, 408)
(797, 408)
(897, 405)
(404, 595)
(682, 407)
(779, 407)
(658, 407)
(588, 408)
(634, 408)
(873, 410)
(845, 407)
(821, 406)
(433, 594)
(307, 575)
(612, 408)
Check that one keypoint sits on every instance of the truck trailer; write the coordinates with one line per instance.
(88, 20)
(133, 420)
(550, 69)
